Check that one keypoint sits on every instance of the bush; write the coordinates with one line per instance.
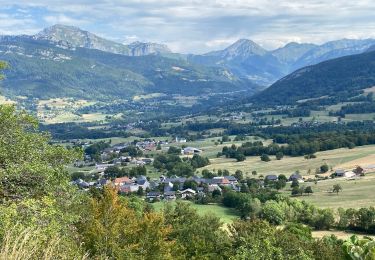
(265, 158)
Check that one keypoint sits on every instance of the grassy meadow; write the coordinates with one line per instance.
(355, 193)
(339, 158)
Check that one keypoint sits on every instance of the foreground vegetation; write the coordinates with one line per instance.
(55, 221)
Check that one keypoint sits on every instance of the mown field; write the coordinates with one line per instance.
(355, 193)
(346, 158)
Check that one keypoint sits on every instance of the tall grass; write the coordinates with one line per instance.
(27, 245)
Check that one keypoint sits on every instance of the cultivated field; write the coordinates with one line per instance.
(62, 110)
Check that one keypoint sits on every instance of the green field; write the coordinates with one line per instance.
(226, 215)
(346, 158)
(355, 193)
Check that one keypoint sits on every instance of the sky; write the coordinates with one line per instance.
(197, 26)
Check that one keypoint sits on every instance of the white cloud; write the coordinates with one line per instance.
(202, 25)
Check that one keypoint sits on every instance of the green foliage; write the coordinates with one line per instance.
(85, 71)
(3, 65)
(29, 166)
(197, 237)
(265, 158)
(337, 188)
(334, 78)
(358, 249)
(174, 150)
(273, 212)
(112, 229)
(279, 155)
(324, 168)
(132, 151)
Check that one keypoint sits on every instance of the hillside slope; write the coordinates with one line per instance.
(41, 69)
(249, 60)
(342, 76)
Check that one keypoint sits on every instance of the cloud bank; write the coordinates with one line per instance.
(197, 26)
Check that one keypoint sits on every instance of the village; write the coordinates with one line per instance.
(172, 187)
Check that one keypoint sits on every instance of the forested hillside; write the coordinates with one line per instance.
(40, 69)
(346, 76)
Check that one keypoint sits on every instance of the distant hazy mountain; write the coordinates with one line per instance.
(341, 77)
(248, 60)
(332, 50)
(43, 69)
(71, 36)
(372, 48)
(292, 52)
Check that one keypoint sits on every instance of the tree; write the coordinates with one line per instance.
(198, 161)
(359, 170)
(273, 212)
(337, 188)
(295, 191)
(280, 184)
(174, 150)
(279, 155)
(140, 191)
(240, 157)
(111, 229)
(282, 177)
(295, 183)
(308, 190)
(239, 175)
(197, 237)
(3, 65)
(30, 166)
(324, 168)
(265, 158)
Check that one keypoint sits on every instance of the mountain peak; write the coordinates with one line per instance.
(244, 47)
(77, 37)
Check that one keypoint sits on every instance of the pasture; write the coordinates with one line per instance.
(355, 193)
(339, 158)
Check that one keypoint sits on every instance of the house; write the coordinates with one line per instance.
(231, 179)
(147, 160)
(188, 193)
(129, 188)
(121, 181)
(349, 174)
(84, 185)
(103, 167)
(170, 195)
(102, 182)
(180, 140)
(168, 186)
(271, 177)
(153, 195)
(213, 187)
(144, 184)
(339, 173)
(295, 176)
(220, 181)
(191, 150)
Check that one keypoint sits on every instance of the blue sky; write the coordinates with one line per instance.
(197, 26)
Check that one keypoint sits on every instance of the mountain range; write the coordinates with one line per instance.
(339, 78)
(67, 61)
(43, 69)
(71, 37)
(247, 59)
